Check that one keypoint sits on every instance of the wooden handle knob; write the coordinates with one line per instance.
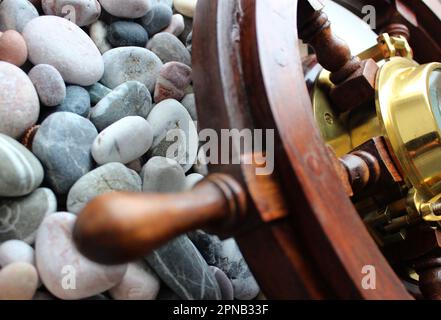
(121, 227)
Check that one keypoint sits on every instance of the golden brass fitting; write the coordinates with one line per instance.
(408, 107)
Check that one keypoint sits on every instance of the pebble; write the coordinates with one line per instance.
(186, 7)
(49, 84)
(187, 29)
(192, 180)
(225, 285)
(131, 9)
(169, 48)
(21, 217)
(189, 102)
(62, 44)
(18, 281)
(77, 101)
(16, 14)
(124, 141)
(130, 63)
(175, 134)
(64, 271)
(97, 92)
(98, 34)
(226, 256)
(107, 178)
(173, 79)
(158, 18)
(129, 99)
(189, 41)
(13, 48)
(80, 12)
(126, 34)
(176, 26)
(20, 171)
(163, 175)
(16, 251)
(63, 145)
(19, 104)
(180, 265)
(139, 283)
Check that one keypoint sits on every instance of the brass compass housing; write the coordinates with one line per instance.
(406, 112)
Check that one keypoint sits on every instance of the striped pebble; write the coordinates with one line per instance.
(20, 171)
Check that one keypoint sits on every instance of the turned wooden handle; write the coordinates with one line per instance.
(121, 227)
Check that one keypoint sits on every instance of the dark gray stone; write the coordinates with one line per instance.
(168, 48)
(129, 99)
(157, 19)
(226, 256)
(21, 217)
(77, 101)
(180, 265)
(63, 144)
(189, 41)
(127, 33)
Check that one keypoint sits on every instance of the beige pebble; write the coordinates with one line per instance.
(18, 281)
(186, 7)
(13, 48)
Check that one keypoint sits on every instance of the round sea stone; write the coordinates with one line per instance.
(13, 48)
(62, 44)
(126, 34)
(49, 84)
(130, 9)
(18, 281)
(19, 104)
(157, 19)
(80, 12)
(20, 171)
(63, 144)
(169, 48)
(15, 14)
(77, 101)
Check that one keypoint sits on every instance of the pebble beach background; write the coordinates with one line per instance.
(88, 91)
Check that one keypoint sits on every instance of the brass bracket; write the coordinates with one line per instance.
(387, 47)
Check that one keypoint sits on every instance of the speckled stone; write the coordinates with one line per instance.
(158, 18)
(124, 141)
(19, 104)
(186, 7)
(97, 92)
(163, 175)
(107, 178)
(182, 268)
(169, 48)
(131, 9)
(126, 34)
(226, 256)
(173, 79)
(129, 99)
(20, 171)
(49, 84)
(68, 48)
(63, 268)
(139, 283)
(21, 217)
(13, 48)
(131, 63)
(176, 26)
(18, 281)
(77, 101)
(63, 145)
(15, 14)
(98, 34)
(16, 251)
(80, 12)
(175, 134)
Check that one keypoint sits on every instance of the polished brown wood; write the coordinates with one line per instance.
(429, 271)
(354, 79)
(117, 228)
